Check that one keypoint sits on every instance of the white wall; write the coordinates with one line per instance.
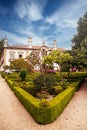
(16, 54)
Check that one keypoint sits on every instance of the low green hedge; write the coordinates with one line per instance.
(48, 114)
(43, 112)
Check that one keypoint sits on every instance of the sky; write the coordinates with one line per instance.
(42, 20)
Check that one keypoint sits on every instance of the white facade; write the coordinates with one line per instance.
(12, 54)
(19, 51)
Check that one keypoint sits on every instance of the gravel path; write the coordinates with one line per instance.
(13, 115)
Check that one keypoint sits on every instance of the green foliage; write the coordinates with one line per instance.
(59, 57)
(43, 111)
(63, 83)
(44, 82)
(65, 68)
(30, 89)
(58, 89)
(76, 76)
(44, 103)
(42, 96)
(6, 67)
(18, 64)
(23, 74)
(79, 44)
(80, 39)
(59, 102)
(1, 45)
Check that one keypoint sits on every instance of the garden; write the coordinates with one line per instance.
(44, 95)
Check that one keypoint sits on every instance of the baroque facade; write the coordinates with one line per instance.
(11, 52)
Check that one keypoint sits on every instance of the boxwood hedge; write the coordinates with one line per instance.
(48, 114)
(43, 112)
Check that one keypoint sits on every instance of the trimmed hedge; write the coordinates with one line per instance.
(48, 114)
(45, 112)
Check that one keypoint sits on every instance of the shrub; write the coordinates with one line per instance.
(30, 89)
(44, 82)
(41, 96)
(23, 74)
(44, 103)
(43, 111)
(58, 89)
(63, 83)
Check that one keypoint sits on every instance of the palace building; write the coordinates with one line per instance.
(11, 52)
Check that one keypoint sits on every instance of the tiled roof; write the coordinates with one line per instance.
(33, 47)
(24, 47)
(36, 47)
(18, 46)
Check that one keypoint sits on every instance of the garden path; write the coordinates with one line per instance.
(13, 116)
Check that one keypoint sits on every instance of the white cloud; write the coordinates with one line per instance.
(20, 9)
(15, 39)
(68, 15)
(34, 12)
(31, 9)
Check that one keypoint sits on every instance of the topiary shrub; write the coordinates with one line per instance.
(23, 74)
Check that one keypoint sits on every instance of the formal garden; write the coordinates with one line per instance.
(46, 93)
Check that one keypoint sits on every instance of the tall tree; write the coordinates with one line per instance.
(79, 44)
(80, 39)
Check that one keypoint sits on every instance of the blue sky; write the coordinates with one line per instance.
(41, 19)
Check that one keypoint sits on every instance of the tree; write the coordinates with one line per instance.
(79, 44)
(6, 67)
(1, 45)
(80, 40)
(47, 63)
(44, 82)
(23, 73)
(58, 57)
(18, 64)
(34, 58)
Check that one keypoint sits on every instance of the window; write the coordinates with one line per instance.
(44, 52)
(20, 56)
(12, 55)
